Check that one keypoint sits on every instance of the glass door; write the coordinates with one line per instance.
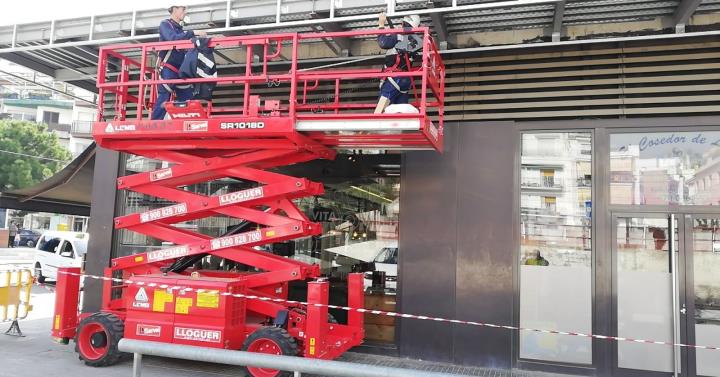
(647, 299)
(703, 261)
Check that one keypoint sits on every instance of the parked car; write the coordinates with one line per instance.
(386, 261)
(26, 237)
(58, 249)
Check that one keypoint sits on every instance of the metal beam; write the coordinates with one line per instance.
(90, 86)
(532, 46)
(45, 205)
(85, 54)
(61, 58)
(64, 74)
(29, 63)
(340, 46)
(89, 50)
(683, 12)
(290, 363)
(228, 9)
(220, 54)
(439, 26)
(300, 23)
(557, 21)
(38, 55)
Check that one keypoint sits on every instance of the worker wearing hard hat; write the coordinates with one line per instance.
(169, 61)
(401, 51)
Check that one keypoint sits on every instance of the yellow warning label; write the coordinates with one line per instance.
(312, 341)
(208, 300)
(312, 350)
(57, 322)
(139, 259)
(182, 305)
(160, 298)
(269, 233)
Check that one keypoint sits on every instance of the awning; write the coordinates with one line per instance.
(66, 192)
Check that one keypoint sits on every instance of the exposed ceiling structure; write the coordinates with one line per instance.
(68, 49)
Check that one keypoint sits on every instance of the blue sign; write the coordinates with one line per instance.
(588, 209)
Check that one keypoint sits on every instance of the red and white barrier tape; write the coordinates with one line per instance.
(394, 314)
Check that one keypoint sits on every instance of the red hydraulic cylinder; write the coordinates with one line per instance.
(67, 293)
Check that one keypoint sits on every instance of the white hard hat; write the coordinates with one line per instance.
(412, 20)
(171, 7)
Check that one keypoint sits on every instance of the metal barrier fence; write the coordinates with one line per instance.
(15, 286)
(294, 364)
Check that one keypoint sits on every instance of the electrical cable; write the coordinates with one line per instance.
(32, 156)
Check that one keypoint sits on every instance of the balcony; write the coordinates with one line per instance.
(59, 127)
(582, 182)
(541, 185)
(82, 128)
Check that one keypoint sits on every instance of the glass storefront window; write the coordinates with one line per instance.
(665, 168)
(360, 225)
(555, 255)
(706, 263)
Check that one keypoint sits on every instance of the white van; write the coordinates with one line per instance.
(386, 260)
(58, 249)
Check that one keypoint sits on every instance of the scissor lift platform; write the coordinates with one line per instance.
(201, 142)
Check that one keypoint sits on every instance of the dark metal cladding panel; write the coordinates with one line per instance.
(428, 212)
(101, 227)
(485, 227)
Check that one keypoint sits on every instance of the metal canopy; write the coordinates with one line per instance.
(67, 49)
(67, 192)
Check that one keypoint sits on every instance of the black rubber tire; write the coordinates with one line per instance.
(30, 243)
(115, 328)
(38, 274)
(287, 344)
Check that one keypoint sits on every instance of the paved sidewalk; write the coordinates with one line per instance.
(17, 257)
(36, 355)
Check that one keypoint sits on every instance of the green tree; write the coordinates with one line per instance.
(28, 154)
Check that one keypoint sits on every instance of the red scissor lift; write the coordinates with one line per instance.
(157, 295)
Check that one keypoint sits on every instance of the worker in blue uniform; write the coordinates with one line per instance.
(402, 50)
(169, 61)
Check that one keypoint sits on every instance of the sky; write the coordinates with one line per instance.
(26, 11)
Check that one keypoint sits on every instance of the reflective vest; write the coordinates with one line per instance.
(200, 63)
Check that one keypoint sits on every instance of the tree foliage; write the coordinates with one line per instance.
(28, 138)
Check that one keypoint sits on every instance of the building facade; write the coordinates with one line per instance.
(578, 190)
(588, 217)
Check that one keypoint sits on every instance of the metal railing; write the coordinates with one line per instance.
(82, 127)
(295, 364)
(59, 127)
